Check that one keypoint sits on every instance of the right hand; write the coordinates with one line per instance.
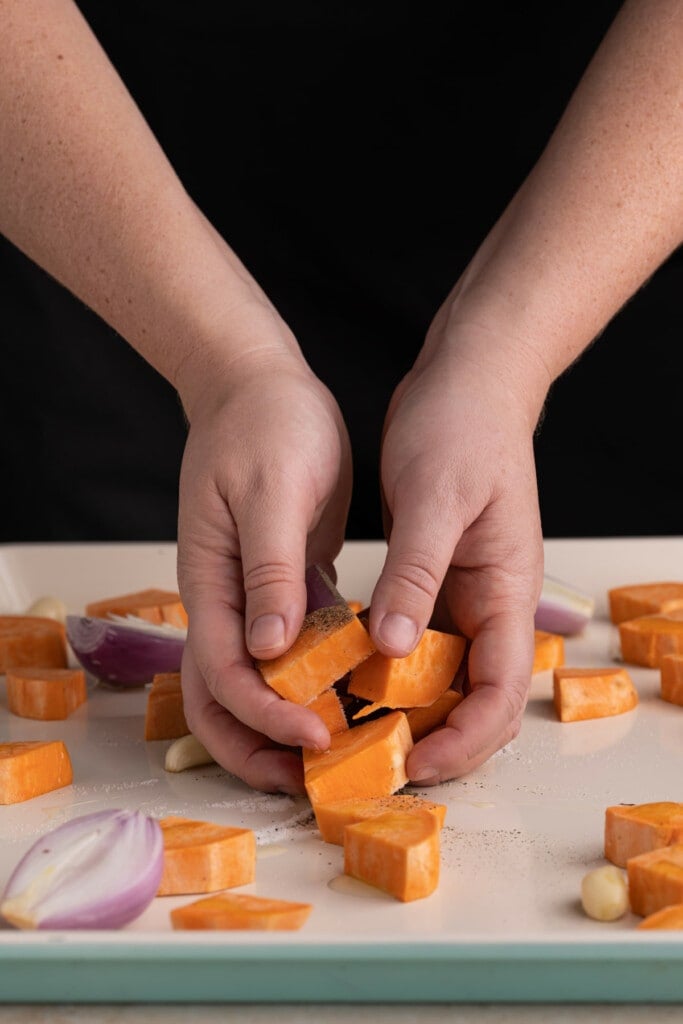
(264, 490)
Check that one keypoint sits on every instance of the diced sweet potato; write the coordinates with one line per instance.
(332, 641)
(200, 856)
(48, 694)
(655, 879)
(666, 919)
(366, 761)
(548, 651)
(422, 721)
(414, 681)
(31, 768)
(31, 640)
(671, 678)
(329, 706)
(164, 715)
(638, 599)
(632, 830)
(583, 693)
(154, 605)
(332, 818)
(356, 606)
(645, 641)
(241, 912)
(397, 852)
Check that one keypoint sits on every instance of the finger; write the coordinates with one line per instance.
(423, 537)
(499, 671)
(237, 748)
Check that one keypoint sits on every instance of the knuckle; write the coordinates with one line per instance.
(415, 574)
(265, 575)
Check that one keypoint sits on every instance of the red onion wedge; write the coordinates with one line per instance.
(562, 608)
(124, 652)
(320, 590)
(97, 871)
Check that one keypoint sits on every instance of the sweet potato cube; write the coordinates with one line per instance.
(31, 768)
(397, 852)
(366, 761)
(632, 830)
(200, 856)
(582, 693)
(164, 715)
(48, 694)
(671, 678)
(422, 721)
(638, 599)
(241, 912)
(548, 651)
(655, 879)
(31, 640)
(645, 641)
(667, 919)
(331, 642)
(154, 605)
(332, 818)
(414, 681)
(329, 706)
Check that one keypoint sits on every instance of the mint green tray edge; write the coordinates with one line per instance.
(428, 973)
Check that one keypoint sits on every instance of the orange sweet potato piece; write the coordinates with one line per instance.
(239, 911)
(666, 919)
(632, 830)
(356, 606)
(329, 706)
(164, 714)
(31, 640)
(638, 599)
(366, 761)
(414, 681)
(332, 818)
(200, 856)
(646, 640)
(48, 694)
(154, 605)
(548, 651)
(397, 852)
(331, 642)
(655, 879)
(422, 721)
(30, 768)
(671, 678)
(582, 693)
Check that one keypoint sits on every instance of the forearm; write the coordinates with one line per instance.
(87, 192)
(601, 210)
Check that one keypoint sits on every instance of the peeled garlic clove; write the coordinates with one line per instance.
(48, 607)
(97, 871)
(186, 752)
(604, 893)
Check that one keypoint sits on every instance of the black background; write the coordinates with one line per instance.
(354, 155)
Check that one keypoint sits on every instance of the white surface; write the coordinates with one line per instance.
(520, 832)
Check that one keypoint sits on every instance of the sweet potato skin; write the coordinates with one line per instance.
(640, 828)
(585, 693)
(31, 768)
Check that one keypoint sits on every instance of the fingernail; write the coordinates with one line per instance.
(398, 631)
(266, 632)
(424, 774)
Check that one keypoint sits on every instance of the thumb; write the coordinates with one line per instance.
(423, 537)
(272, 535)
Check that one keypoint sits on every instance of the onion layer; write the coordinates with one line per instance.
(122, 653)
(562, 608)
(97, 871)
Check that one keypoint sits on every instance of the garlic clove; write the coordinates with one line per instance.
(100, 870)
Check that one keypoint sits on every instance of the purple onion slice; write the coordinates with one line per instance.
(563, 608)
(320, 590)
(124, 653)
(100, 870)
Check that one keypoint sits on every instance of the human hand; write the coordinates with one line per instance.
(459, 487)
(264, 490)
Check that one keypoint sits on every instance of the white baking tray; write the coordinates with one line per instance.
(505, 923)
